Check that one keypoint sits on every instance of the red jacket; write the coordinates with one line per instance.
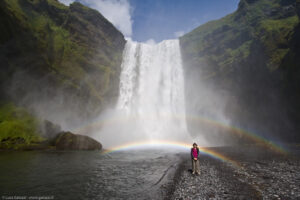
(192, 156)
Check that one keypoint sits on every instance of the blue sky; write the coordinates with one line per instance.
(166, 19)
(157, 20)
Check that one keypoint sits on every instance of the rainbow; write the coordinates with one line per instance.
(172, 144)
(251, 136)
(241, 132)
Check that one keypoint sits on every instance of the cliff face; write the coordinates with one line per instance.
(61, 62)
(250, 59)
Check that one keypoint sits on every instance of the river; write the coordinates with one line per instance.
(135, 174)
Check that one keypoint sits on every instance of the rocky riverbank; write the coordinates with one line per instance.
(262, 175)
(62, 141)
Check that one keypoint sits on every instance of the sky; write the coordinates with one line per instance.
(157, 20)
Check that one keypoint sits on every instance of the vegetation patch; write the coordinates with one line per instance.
(18, 128)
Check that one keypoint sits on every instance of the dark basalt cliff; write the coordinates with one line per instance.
(61, 63)
(250, 59)
(58, 58)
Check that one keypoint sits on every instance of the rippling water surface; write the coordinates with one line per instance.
(85, 175)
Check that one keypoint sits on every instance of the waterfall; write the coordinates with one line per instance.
(152, 91)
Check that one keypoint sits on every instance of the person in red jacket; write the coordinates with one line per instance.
(195, 159)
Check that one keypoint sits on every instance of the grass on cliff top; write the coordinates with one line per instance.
(17, 126)
(220, 41)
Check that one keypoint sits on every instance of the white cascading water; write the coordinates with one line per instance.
(152, 91)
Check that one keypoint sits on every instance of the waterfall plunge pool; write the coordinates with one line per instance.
(135, 174)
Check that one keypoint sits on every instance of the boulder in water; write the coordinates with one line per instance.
(71, 141)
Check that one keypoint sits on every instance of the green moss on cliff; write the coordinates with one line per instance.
(229, 44)
(251, 56)
(69, 56)
(228, 41)
(18, 128)
(275, 36)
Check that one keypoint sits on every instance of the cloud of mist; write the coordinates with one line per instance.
(178, 34)
(67, 2)
(62, 106)
(118, 12)
(150, 41)
(205, 107)
(151, 103)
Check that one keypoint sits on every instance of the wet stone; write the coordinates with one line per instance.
(265, 177)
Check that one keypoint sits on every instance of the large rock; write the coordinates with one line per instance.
(70, 141)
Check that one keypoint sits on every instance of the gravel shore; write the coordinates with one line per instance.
(263, 175)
